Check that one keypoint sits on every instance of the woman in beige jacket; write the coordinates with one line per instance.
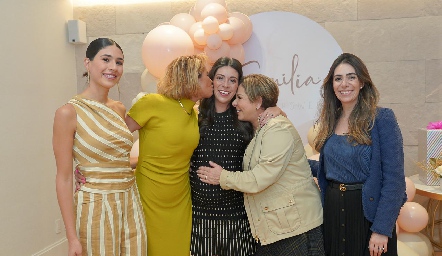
(281, 199)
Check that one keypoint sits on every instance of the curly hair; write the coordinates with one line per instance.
(362, 117)
(207, 106)
(181, 78)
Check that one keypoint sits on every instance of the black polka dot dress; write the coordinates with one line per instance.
(219, 225)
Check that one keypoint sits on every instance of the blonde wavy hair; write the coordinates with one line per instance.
(181, 78)
(362, 117)
(257, 85)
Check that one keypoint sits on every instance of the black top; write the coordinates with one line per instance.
(224, 145)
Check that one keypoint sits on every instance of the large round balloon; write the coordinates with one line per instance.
(183, 21)
(418, 242)
(238, 30)
(405, 250)
(237, 52)
(413, 217)
(216, 10)
(162, 45)
(148, 82)
(248, 26)
(200, 4)
(410, 189)
(222, 51)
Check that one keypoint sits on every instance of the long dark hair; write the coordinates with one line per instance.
(362, 117)
(207, 106)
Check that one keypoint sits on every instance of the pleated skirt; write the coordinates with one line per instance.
(222, 238)
(346, 230)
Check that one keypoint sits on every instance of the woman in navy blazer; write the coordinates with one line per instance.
(361, 166)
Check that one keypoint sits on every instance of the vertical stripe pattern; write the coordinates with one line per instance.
(109, 217)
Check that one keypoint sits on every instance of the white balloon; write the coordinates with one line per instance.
(404, 250)
(139, 95)
(418, 242)
(148, 82)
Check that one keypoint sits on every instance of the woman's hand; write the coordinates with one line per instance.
(378, 244)
(79, 179)
(270, 113)
(75, 248)
(210, 175)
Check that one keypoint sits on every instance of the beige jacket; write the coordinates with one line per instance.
(280, 196)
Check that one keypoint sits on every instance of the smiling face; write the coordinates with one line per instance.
(106, 68)
(346, 85)
(225, 84)
(246, 109)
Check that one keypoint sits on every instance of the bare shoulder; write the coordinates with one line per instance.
(118, 107)
(65, 117)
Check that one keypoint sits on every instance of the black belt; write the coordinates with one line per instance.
(344, 187)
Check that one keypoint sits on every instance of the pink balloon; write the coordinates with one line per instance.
(413, 217)
(215, 10)
(238, 30)
(213, 55)
(148, 82)
(248, 26)
(200, 4)
(183, 21)
(237, 52)
(200, 37)
(214, 41)
(225, 31)
(192, 30)
(210, 25)
(410, 189)
(162, 45)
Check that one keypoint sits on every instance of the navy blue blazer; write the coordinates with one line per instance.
(383, 193)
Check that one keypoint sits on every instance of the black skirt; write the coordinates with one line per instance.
(346, 230)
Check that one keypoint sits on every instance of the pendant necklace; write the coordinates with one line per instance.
(181, 104)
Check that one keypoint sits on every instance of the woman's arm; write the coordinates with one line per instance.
(131, 124)
(62, 142)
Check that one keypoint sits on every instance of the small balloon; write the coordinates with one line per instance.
(413, 217)
(200, 4)
(210, 25)
(214, 41)
(183, 21)
(200, 37)
(215, 10)
(196, 26)
(225, 31)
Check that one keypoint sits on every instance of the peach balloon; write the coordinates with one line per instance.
(237, 52)
(200, 37)
(183, 21)
(200, 4)
(191, 32)
(213, 55)
(162, 45)
(238, 30)
(210, 25)
(413, 217)
(215, 10)
(418, 242)
(225, 31)
(248, 26)
(148, 82)
(214, 41)
(410, 189)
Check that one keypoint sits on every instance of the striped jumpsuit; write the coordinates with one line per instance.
(109, 215)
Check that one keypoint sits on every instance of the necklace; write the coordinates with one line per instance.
(181, 104)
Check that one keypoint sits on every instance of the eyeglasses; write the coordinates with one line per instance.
(222, 79)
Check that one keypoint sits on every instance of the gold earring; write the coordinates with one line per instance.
(88, 77)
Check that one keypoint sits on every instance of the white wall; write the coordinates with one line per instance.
(38, 74)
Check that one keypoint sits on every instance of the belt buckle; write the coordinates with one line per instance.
(342, 187)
